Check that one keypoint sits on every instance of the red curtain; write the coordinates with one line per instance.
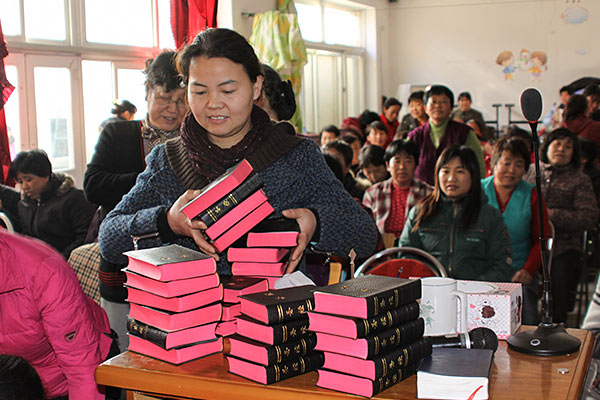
(5, 90)
(189, 17)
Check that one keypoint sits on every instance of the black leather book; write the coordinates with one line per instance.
(279, 305)
(171, 339)
(357, 327)
(280, 224)
(272, 334)
(366, 296)
(277, 372)
(232, 199)
(265, 354)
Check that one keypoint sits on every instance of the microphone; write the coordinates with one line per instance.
(531, 105)
(478, 338)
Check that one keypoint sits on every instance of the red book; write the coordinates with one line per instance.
(217, 189)
(176, 304)
(236, 286)
(172, 288)
(265, 354)
(272, 239)
(242, 227)
(361, 386)
(226, 328)
(277, 372)
(265, 255)
(177, 355)
(276, 269)
(170, 321)
(230, 311)
(274, 334)
(170, 339)
(167, 263)
(236, 214)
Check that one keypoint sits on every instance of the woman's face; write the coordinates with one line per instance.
(439, 108)
(221, 97)
(32, 185)
(416, 108)
(391, 113)
(377, 137)
(509, 170)
(560, 151)
(166, 109)
(455, 179)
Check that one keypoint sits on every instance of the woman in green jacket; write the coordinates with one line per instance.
(457, 226)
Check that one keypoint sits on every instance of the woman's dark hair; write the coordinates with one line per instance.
(567, 89)
(589, 151)
(402, 145)
(220, 43)
(343, 148)
(391, 101)
(437, 90)
(376, 125)
(514, 131)
(330, 128)
(349, 137)
(34, 162)
(279, 94)
(161, 71)
(366, 117)
(466, 95)
(418, 95)
(576, 106)
(120, 106)
(556, 134)
(515, 146)
(334, 165)
(371, 155)
(428, 207)
(19, 380)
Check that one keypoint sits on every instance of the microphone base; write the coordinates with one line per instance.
(547, 340)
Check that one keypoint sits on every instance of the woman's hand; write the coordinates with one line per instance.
(181, 224)
(523, 277)
(308, 224)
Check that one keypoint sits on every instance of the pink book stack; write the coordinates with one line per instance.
(233, 288)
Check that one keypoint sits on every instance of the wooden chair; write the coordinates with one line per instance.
(402, 267)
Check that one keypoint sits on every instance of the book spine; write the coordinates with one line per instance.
(279, 313)
(401, 334)
(294, 367)
(393, 298)
(148, 332)
(239, 194)
(403, 356)
(293, 330)
(379, 385)
(283, 352)
(381, 322)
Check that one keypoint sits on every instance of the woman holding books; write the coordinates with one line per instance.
(457, 226)
(224, 78)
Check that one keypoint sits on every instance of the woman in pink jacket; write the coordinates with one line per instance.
(47, 319)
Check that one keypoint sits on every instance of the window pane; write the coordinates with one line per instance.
(354, 85)
(11, 110)
(54, 115)
(97, 100)
(119, 22)
(165, 34)
(45, 19)
(329, 97)
(308, 97)
(10, 16)
(130, 86)
(342, 27)
(309, 19)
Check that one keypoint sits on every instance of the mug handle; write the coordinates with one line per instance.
(463, 309)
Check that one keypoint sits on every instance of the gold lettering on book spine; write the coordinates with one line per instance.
(384, 366)
(405, 356)
(212, 215)
(304, 346)
(376, 305)
(279, 313)
(278, 353)
(366, 324)
(277, 373)
(376, 338)
(303, 365)
(397, 296)
(284, 333)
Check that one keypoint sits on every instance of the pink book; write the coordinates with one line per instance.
(171, 339)
(276, 269)
(236, 286)
(176, 304)
(172, 288)
(263, 255)
(272, 239)
(361, 386)
(272, 334)
(236, 214)
(230, 311)
(242, 227)
(270, 279)
(177, 355)
(170, 321)
(217, 189)
(226, 328)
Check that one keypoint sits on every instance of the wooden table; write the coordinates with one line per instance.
(514, 376)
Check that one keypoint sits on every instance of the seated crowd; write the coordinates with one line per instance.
(434, 180)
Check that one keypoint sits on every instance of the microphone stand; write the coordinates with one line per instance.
(549, 339)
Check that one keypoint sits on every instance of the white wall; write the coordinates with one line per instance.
(456, 42)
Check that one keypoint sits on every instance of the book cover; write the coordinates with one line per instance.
(272, 334)
(217, 189)
(366, 296)
(279, 305)
(226, 328)
(177, 355)
(276, 269)
(178, 303)
(170, 321)
(361, 386)
(277, 372)
(242, 227)
(374, 344)
(235, 286)
(179, 287)
(230, 311)
(236, 214)
(270, 279)
(256, 254)
(381, 365)
(357, 327)
(264, 354)
(453, 373)
(170, 339)
(274, 232)
(231, 200)
(171, 262)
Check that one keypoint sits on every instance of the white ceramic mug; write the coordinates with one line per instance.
(438, 306)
